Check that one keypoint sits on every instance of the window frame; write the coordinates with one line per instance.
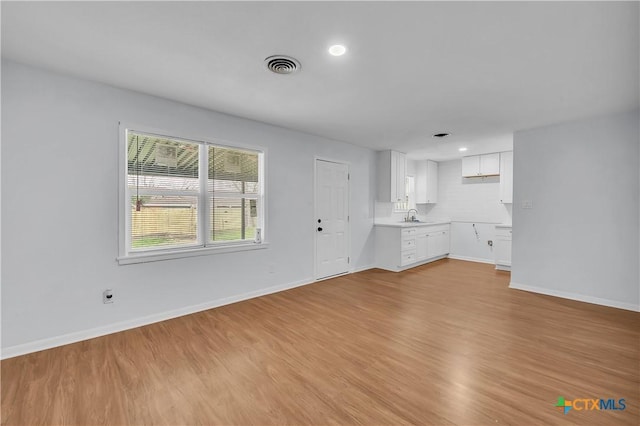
(204, 245)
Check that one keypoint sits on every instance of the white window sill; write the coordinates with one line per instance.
(179, 254)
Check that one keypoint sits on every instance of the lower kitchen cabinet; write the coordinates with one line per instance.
(431, 242)
(502, 248)
(399, 248)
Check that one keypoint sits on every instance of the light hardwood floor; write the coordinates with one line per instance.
(444, 343)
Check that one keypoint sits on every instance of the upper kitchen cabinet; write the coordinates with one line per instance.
(481, 165)
(506, 177)
(426, 182)
(392, 170)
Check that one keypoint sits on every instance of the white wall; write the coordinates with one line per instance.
(60, 198)
(467, 200)
(470, 241)
(580, 239)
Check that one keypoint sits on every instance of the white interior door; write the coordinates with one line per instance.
(332, 219)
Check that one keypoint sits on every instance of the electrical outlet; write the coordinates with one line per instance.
(107, 296)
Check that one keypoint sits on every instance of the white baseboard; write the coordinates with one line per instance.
(472, 259)
(65, 339)
(576, 296)
(362, 268)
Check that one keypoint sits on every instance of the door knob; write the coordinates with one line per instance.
(319, 229)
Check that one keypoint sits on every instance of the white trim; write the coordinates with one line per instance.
(576, 296)
(65, 339)
(78, 336)
(124, 226)
(472, 259)
(163, 133)
(128, 255)
(204, 230)
(411, 265)
(363, 268)
(142, 257)
(341, 274)
(262, 202)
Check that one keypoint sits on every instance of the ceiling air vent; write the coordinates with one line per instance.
(280, 64)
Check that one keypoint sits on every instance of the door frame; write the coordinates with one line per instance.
(315, 209)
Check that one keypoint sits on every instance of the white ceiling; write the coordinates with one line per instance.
(478, 70)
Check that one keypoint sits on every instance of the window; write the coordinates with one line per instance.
(410, 203)
(186, 196)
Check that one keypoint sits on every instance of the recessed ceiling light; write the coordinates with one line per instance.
(463, 149)
(337, 50)
(440, 135)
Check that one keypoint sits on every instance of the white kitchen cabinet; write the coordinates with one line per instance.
(490, 164)
(392, 170)
(470, 165)
(422, 246)
(502, 248)
(481, 165)
(399, 248)
(426, 182)
(401, 176)
(438, 243)
(506, 177)
(431, 242)
(407, 246)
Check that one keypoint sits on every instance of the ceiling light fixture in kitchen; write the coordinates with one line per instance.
(463, 149)
(337, 50)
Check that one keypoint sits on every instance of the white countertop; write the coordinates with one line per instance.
(398, 224)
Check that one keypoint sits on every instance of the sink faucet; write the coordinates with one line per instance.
(411, 218)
